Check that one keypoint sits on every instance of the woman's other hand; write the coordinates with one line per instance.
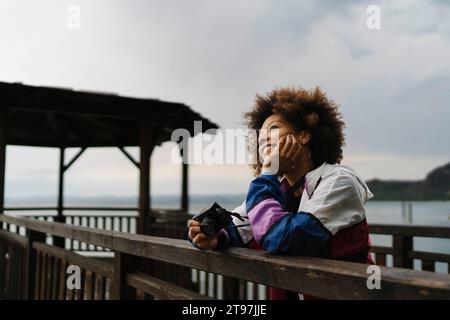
(199, 238)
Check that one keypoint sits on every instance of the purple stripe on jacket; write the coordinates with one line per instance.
(263, 216)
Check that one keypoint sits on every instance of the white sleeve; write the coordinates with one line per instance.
(243, 227)
(337, 202)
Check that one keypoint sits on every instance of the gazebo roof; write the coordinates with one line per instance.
(59, 117)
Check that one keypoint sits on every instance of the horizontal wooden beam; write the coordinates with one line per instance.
(318, 277)
(410, 230)
(102, 268)
(431, 256)
(380, 249)
(161, 289)
(71, 208)
(12, 237)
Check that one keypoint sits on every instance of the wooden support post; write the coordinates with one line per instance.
(123, 265)
(31, 276)
(146, 148)
(184, 181)
(3, 114)
(58, 241)
(401, 246)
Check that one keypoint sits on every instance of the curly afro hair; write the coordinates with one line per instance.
(306, 110)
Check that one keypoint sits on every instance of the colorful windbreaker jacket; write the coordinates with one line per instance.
(330, 221)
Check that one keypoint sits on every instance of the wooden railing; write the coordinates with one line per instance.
(402, 250)
(123, 219)
(30, 268)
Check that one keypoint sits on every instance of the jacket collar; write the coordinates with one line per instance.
(312, 177)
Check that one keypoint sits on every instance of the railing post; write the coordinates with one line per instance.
(30, 274)
(402, 245)
(3, 122)
(58, 241)
(123, 264)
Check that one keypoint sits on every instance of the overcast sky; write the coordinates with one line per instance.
(392, 84)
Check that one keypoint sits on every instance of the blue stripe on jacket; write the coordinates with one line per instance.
(264, 187)
(296, 233)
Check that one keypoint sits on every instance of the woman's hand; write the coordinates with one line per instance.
(199, 238)
(286, 155)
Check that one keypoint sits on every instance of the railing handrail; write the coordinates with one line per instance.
(412, 230)
(320, 277)
(70, 208)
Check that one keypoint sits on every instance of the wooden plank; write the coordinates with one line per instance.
(15, 238)
(145, 151)
(48, 277)
(95, 265)
(381, 259)
(55, 278)
(161, 289)
(3, 143)
(230, 288)
(402, 245)
(433, 256)
(2, 266)
(428, 265)
(62, 280)
(381, 249)
(79, 293)
(410, 230)
(99, 287)
(37, 279)
(123, 264)
(43, 276)
(89, 285)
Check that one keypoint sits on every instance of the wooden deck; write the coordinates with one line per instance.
(154, 267)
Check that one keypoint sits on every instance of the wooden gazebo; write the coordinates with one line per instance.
(64, 118)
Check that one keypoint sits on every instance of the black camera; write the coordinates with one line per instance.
(215, 218)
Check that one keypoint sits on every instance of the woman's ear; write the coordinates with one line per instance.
(303, 137)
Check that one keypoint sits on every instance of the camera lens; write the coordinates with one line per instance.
(207, 227)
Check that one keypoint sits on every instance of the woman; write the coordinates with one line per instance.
(310, 205)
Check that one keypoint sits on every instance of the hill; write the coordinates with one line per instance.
(435, 186)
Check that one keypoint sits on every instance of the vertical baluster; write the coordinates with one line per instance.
(83, 223)
(48, 284)
(129, 225)
(98, 287)
(68, 240)
(43, 277)
(2, 267)
(255, 291)
(100, 225)
(428, 265)
(402, 245)
(92, 224)
(76, 243)
(79, 293)
(89, 285)
(38, 274)
(381, 259)
(62, 280)
(124, 224)
(13, 274)
(55, 278)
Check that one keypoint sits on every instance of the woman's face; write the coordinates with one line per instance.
(273, 128)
